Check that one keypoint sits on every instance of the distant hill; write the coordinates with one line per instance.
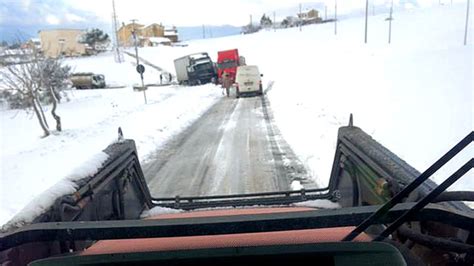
(196, 32)
(12, 34)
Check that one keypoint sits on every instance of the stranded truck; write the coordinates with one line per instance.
(87, 81)
(195, 69)
(228, 61)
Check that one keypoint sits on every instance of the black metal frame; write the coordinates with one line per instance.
(342, 253)
(127, 229)
(267, 198)
(383, 210)
(118, 168)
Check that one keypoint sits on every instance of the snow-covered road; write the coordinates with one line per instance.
(231, 149)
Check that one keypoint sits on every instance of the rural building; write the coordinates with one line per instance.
(32, 44)
(172, 34)
(125, 36)
(153, 30)
(312, 16)
(57, 42)
(146, 34)
(156, 41)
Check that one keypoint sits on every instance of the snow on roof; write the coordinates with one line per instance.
(171, 33)
(153, 24)
(198, 56)
(159, 39)
(37, 40)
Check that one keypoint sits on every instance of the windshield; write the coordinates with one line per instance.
(404, 72)
(227, 64)
(203, 66)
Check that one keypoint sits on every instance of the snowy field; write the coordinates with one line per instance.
(30, 165)
(413, 96)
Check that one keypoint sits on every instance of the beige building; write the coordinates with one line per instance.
(61, 42)
(145, 35)
(125, 33)
(155, 41)
(172, 34)
(310, 17)
(153, 30)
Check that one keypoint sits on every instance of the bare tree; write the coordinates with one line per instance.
(54, 76)
(22, 83)
(28, 84)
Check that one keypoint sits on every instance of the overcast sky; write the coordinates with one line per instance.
(22, 19)
(169, 12)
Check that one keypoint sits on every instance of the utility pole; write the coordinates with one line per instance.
(335, 17)
(300, 15)
(325, 12)
(390, 24)
(134, 33)
(366, 18)
(274, 22)
(467, 22)
(117, 52)
(203, 32)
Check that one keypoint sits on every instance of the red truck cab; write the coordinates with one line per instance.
(227, 61)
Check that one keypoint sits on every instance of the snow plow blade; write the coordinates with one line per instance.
(364, 172)
(117, 191)
(380, 195)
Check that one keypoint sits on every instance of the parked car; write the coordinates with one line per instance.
(248, 80)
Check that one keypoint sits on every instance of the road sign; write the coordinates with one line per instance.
(140, 68)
